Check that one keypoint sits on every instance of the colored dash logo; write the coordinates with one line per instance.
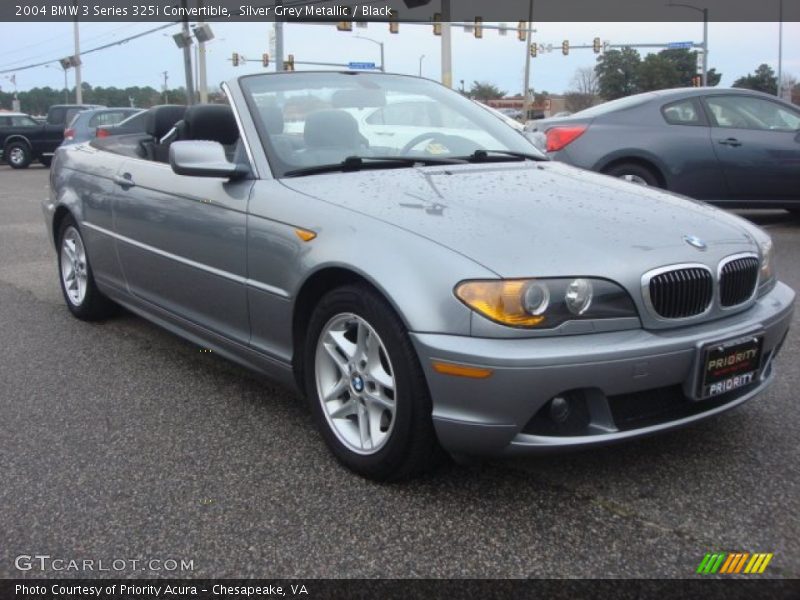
(731, 563)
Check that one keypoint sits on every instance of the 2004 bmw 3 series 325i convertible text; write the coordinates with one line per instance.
(418, 270)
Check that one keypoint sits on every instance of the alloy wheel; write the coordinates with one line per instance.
(74, 273)
(355, 383)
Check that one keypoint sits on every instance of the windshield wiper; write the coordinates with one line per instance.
(492, 156)
(357, 163)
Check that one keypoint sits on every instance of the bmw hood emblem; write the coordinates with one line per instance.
(695, 242)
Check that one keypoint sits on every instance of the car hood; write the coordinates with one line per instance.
(537, 219)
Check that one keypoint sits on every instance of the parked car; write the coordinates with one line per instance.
(23, 140)
(135, 123)
(62, 114)
(424, 294)
(730, 147)
(88, 124)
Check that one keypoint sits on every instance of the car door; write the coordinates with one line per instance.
(181, 243)
(757, 142)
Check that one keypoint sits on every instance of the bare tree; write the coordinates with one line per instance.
(584, 81)
(583, 91)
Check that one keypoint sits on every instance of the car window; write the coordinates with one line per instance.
(23, 121)
(108, 118)
(682, 112)
(312, 119)
(56, 116)
(746, 112)
(71, 112)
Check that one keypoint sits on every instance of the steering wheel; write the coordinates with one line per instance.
(455, 144)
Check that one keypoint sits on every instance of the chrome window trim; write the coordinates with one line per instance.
(731, 258)
(658, 271)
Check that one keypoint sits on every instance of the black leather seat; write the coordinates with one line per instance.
(330, 136)
(158, 121)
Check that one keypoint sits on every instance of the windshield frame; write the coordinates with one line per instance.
(485, 121)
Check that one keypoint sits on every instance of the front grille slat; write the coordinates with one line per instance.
(737, 280)
(681, 292)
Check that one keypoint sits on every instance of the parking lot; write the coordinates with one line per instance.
(122, 441)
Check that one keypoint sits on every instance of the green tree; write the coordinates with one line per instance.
(617, 73)
(762, 80)
(657, 72)
(483, 91)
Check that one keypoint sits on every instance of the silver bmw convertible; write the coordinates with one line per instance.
(418, 270)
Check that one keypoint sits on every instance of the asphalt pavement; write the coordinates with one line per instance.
(120, 441)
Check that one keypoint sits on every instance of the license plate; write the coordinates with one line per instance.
(728, 366)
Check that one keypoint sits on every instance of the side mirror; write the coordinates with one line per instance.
(203, 159)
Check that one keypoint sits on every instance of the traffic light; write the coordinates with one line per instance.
(288, 64)
(235, 59)
(521, 31)
(344, 26)
(437, 23)
(394, 26)
(534, 50)
(697, 80)
(478, 29)
(596, 45)
(265, 59)
(565, 47)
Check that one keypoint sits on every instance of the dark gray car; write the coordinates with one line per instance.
(730, 147)
(85, 125)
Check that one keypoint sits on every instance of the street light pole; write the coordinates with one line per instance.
(447, 47)
(78, 80)
(705, 37)
(780, 48)
(526, 104)
(361, 37)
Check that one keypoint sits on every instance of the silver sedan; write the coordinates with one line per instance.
(418, 270)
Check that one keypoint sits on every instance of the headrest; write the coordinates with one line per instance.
(331, 129)
(210, 122)
(273, 119)
(160, 119)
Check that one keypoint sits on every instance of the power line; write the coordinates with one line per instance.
(97, 49)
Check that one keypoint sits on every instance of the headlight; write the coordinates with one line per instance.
(546, 303)
(766, 277)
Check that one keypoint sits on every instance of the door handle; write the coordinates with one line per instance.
(730, 142)
(125, 181)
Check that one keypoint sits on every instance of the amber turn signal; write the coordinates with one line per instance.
(461, 370)
(501, 301)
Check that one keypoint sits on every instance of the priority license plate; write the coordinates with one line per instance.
(730, 365)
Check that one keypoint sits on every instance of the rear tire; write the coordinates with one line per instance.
(80, 292)
(635, 173)
(18, 155)
(376, 416)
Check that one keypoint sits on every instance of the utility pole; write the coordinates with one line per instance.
(187, 55)
(166, 94)
(447, 50)
(526, 103)
(201, 64)
(78, 81)
(780, 49)
(705, 47)
(278, 40)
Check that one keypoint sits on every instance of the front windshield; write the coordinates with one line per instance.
(308, 120)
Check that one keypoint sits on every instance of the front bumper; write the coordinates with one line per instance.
(493, 416)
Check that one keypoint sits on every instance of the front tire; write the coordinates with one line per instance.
(80, 292)
(18, 155)
(634, 173)
(366, 388)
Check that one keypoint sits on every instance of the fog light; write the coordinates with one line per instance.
(559, 409)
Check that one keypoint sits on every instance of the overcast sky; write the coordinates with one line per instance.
(735, 49)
